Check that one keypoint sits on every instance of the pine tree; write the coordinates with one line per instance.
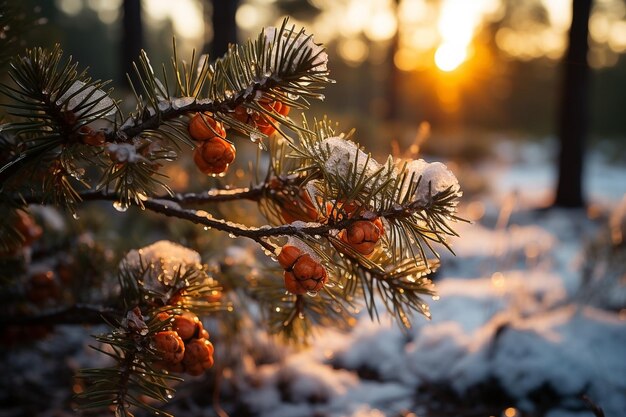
(345, 229)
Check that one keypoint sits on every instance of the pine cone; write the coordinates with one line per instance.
(188, 326)
(214, 155)
(258, 120)
(302, 272)
(363, 235)
(170, 346)
(203, 127)
(198, 356)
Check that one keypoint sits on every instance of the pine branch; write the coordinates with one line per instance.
(57, 103)
(214, 195)
(134, 379)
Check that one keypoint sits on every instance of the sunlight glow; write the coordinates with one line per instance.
(251, 17)
(458, 22)
(353, 50)
(70, 7)
(186, 17)
(449, 56)
(382, 26)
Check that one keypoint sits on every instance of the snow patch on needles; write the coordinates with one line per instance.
(303, 45)
(164, 260)
(80, 99)
(435, 178)
(124, 152)
(343, 154)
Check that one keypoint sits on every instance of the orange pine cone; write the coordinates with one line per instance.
(300, 209)
(263, 122)
(284, 109)
(260, 121)
(241, 114)
(363, 235)
(288, 256)
(305, 275)
(163, 316)
(204, 127)
(339, 210)
(188, 326)
(170, 346)
(204, 334)
(198, 356)
(214, 155)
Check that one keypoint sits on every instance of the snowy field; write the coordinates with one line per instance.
(513, 333)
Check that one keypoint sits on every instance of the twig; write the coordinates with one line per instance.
(153, 122)
(169, 206)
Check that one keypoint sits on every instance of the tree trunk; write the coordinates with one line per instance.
(132, 36)
(574, 115)
(224, 26)
(391, 112)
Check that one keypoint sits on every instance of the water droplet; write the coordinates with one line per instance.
(293, 96)
(435, 297)
(256, 137)
(206, 228)
(301, 316)
(78, 173)
(311, 293)
(231, 235)
(119, 206)
(75, 216)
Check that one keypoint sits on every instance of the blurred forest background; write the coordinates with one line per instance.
(475, 71)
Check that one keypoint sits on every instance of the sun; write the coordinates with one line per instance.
(449, 56)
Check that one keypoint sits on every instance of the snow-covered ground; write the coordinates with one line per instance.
(510, 334)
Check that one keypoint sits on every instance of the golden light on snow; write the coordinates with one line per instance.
(497, 279)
